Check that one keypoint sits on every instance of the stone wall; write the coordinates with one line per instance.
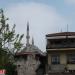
(27, 67)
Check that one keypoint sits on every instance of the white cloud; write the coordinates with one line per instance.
(43, 19)
(72, 2)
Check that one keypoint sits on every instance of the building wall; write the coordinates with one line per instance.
(63, 62)
(49, 59)
(27, 67)
(63, 58)
(57, 67)
(71, 66)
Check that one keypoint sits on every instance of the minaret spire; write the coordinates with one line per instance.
(27, 37)
(32, 41)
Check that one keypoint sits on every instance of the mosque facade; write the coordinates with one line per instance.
(30, 61)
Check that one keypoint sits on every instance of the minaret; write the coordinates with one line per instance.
(32, 41)
(27, 37)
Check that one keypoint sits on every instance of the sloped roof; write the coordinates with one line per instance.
(61, 34)
(31, 49)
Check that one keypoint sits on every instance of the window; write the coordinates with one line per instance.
(55, 59)
(71, 58)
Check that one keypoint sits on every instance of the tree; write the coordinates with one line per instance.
(10, 42)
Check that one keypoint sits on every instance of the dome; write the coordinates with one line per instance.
(31, 49)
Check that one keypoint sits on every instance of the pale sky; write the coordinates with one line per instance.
(44, 16)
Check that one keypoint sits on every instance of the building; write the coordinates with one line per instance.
(60, 52)
(30, 61)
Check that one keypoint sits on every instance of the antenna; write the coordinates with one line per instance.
(67, 31)
(67, 27)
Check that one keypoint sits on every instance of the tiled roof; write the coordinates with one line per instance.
(61, 34)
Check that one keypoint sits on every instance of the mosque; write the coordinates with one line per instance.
(31, 60)
(58, 59)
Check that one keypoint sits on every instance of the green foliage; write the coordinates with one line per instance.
(10, 42)
(3, 57)
(7, 35)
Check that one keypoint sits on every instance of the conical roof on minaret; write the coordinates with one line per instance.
(30, 48)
